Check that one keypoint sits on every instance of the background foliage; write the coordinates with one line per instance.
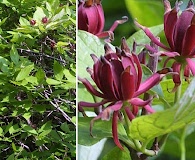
(37, 79)
(144, 12)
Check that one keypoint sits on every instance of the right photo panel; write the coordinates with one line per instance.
(136, 85)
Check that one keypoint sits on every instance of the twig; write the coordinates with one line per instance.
(37, 54)
(58, 108)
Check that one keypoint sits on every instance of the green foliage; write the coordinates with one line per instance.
(37, 80)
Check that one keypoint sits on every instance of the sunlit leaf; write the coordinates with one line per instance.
(145, 128)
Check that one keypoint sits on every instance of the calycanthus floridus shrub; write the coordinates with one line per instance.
(37, 80)
(125, 85)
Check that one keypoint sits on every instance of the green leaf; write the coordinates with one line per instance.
(14, 55)
(39, 14)
(52, 5)
(46, 126)
(58, 71)
(58, 16)
(27, 115)
(52, 81)
(117, 154)
(13, 129)
(29, 129)
(96, 151)
(8, 127)
(4, 64)
(24, 72)
(40, 75)
(24, 22)
(70, 76)
(65, 127)
(101, 129)
(32, 79)
(88, 44)
(148, 13)
(140, 37)
(1, 131)
(145, 128)
(14, 147)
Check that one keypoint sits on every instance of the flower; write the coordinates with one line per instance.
(44, 20)
(180, 33)
(118, 77)
(32, 22)
(91, 18)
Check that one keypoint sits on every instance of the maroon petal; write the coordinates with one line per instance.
(181, 27)
(106, 80)
(101, 19)
(106, 112)
(117, 22)
(96, 68)
(170, 19)
(82, 23)
(92, 17)
(168, 54)
(151, 36)
(139, 70)
(82, 104)
(139, 102)
(176, 68)
(187, 72)
(191, 65)
(130, 115)
(176, 78)
(189, 39)
(149, 109)
(124, 45)
(90, 88)
(128, 60)
(127, 84)
(117, 70)
(148, 83)
(114, 130)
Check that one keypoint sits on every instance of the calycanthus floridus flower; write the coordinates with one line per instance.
(179, 28)
(91, 18)
(118, 77)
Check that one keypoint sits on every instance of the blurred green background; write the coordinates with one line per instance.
(148, 13)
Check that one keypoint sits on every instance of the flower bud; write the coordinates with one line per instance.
(91, 16)
(32, 22)
(44, 20)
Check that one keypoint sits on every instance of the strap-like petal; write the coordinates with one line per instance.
(181, 27)
(148, 84)
(90, 88)
(191, 64)
(139, 102)
(127, 84)
(189, 40)
(114, 130)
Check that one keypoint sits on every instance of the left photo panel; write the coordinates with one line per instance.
(38, 80)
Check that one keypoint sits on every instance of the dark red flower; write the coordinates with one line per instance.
(91, 18)
(179, 28)
(44, 20)
(118, 76)
(32, 22)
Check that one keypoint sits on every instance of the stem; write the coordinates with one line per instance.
(182, 145)
(177, 97)
(128, 123)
